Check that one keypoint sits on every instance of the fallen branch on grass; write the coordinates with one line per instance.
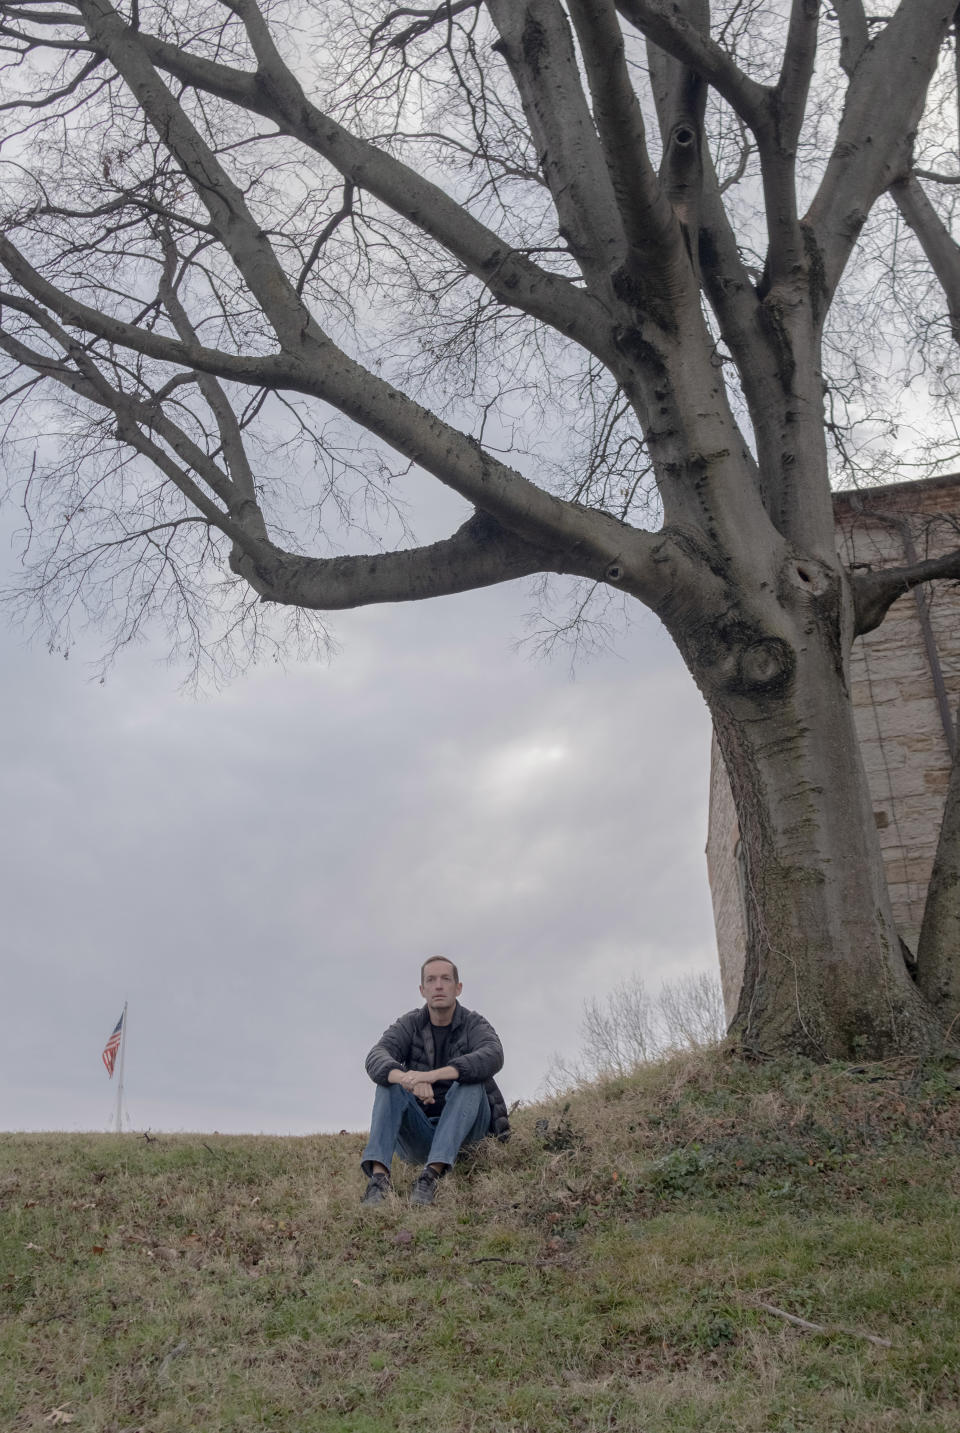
(823, 1328)
(493, 1259)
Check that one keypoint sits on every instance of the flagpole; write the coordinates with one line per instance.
(123, 1051)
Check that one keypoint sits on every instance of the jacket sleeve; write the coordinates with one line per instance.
(391, 1052)
(485, 1054)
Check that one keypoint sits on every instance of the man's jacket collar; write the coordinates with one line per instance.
(457, 1016)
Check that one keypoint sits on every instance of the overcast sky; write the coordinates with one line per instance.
(260, 871)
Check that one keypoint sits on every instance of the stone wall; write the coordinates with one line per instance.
(905, 682)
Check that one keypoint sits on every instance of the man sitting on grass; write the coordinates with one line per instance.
(433, 1069)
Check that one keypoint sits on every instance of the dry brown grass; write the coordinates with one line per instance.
(604, 1272)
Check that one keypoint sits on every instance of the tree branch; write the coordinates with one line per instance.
(329, 228)
(809, 1327)
(422, 22)
(875, 592)
(64, 92)
(680, 95)
(936, 177)
(736, 305)
(77, 372)
(537, 45)
(231, 438)
(267, 371)
(479, 554)
(854, 33)
(796, 72)
(320, 369)
(649, 224)
(884, 102)
(938, 244)
(787, 256)
(662, 23)
(277, 95)
(232, 222)
(311, 361)
(43, 17)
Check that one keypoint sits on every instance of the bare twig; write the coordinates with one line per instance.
(810, 1327)
(493, 1259)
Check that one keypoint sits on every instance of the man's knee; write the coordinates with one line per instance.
(470, 1105)
(467, 1095)
(392, 1094)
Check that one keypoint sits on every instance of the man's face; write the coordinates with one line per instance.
(439, 989)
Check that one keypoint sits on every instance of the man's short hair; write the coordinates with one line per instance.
(431, 959)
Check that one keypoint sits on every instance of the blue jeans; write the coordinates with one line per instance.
(399, 1123)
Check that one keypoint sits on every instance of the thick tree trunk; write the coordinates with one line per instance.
(938, 952)
(824, 974)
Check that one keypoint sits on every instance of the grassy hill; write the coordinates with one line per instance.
(703, 1246)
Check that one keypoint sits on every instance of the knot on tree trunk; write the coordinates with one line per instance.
(765, 665)
(738, 657)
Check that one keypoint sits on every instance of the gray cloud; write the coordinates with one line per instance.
(260, 871)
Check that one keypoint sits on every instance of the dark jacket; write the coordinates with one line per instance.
(473, 1049)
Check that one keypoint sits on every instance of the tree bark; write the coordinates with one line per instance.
(823, 973)
(938, 951)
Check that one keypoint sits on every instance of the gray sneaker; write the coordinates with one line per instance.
(378, 1187)
(424, 1189)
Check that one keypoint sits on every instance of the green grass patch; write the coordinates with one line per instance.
(634, 1259)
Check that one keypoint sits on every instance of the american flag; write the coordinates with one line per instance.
(109, 1056)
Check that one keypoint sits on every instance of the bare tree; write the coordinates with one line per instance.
(691, 1011)
(630, 1028)
(592, 265)
(619, 1033)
